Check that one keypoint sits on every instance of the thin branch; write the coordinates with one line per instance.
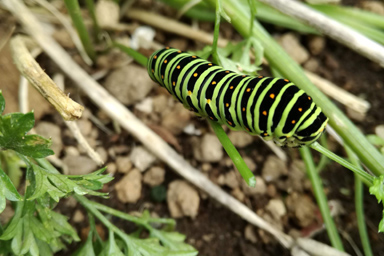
(173, 26)
(74, 128)
(27, 66)
(335, 30)
(341, 95)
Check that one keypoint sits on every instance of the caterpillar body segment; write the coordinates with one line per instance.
(272, 108)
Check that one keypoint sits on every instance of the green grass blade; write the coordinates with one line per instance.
(75, 12)
(369, 18)
(321, 199)
(359, 208)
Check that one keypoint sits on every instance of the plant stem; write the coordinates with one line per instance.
(233, 154)
(90, 207)
(366, 177)
(359, 207)
(75, 12)
(138, 57)
(215, 55)
(131, 218)
(321, 199)
(323, 158)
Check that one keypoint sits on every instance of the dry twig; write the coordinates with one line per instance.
(173, 26)
(27, 65)
(334, 29)
(74, 128)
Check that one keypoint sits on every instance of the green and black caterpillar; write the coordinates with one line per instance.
(272, 108)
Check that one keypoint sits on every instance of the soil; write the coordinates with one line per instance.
(216, 230)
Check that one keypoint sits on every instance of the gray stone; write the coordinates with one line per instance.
(141, 158)
(208, 149)
(129, 187)
(50, 130)
(129, 84)
(182, 199)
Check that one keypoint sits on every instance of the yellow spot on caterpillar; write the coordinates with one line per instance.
(165, 62)
(286, 80)
(208, 101)
(309, 98)
(260, 77)
(167, 47)
(162, 76)
(231, 87)
(300, 109)
(153, 71)
(264, 112)
(265, 134)
(227, 71)
(246, 128)
(178, 51)
(243, 75)
(293, 121)
(210, 64)
(272, 96)
(178, 67)
(195, 75)
(227, 104)
(194, 56)
(211, 118)
(155, 57)
(189, 93)
(229, 123)
(173, 83)
(243, 109)
(214, 82)
(249, 89)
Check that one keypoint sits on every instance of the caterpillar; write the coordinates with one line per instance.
(272, 108)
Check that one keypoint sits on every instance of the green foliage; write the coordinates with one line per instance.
(377, 189)
(159, 193)
(13, 129)
(58, 185)
(35, 229)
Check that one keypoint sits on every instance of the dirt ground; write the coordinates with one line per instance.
(215, 230)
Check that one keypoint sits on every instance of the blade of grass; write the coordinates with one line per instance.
(278, 58)
(75, 12)
(369, 18)
(321, 199)
(91, 9)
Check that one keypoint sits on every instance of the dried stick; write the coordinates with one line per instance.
(133, 125)
(27, 65)
(74, 128)
(173, 26)
(339, 32)
(342, 96)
